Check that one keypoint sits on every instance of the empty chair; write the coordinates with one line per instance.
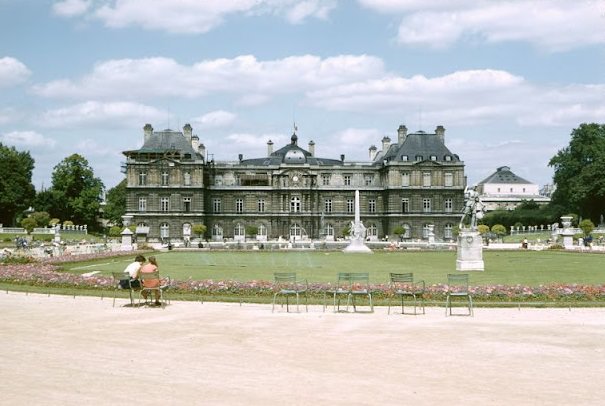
(403, 284)
(286, 284)
(340, 288)
(457, 286)
(117, 278)
(360, 286)
(349, 284)
(164, 286)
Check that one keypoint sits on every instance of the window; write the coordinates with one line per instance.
(142, 204)
(165, 178)
(239, 230)
(448, 179)
(433, 157)
(405, 179)
(404, 158)
(347, 180)
(426, 230)
(369, 180)
(372, 230)
(239, 205)
(372, 205)
(164, 204)
(448, 205)
(447, 158)
(262, 229)
(295, 205)
(328, 205)
(325, 179)
(295, 230)
(418, 158)
(216, 205)
(329, 229)
(217, 230)
(405, 205)
(448, 231)
(187, 178)
(186, 204)
(426, 205)
(164, 230)
(426, 179)
(142, 178)
(350, 206)
(261, 205)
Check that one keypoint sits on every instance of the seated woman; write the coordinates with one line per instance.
(150, 267)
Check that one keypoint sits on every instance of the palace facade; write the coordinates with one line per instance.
(415, 183)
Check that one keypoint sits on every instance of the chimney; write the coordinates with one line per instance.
(373, 151)
(269, 147)
(386, 143)
(240, 157)
(402, 134)
(195, 142)
(187, 131)
(440, 133)
(202, 150)
(148, 131)
(342, 157)
(312, 148)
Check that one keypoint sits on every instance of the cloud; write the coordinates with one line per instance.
(91, 147)
(218, 118)
(71, 8)
(245, 75)
(12, 72)
(555, 25)
(28, 139)
(111, 114)
(358, 137)
(189, 16)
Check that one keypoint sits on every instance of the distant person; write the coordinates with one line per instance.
(150, 267)
(133, 273)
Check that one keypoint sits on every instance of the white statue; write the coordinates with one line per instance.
(473, 207)
(358, 231)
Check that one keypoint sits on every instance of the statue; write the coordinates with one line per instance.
(358, 231)
(473, 208)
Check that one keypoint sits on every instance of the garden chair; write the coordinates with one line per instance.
(286, 284)
(118, 277)
(341, 287)
(457, 286)
(403, 284)
(165, 285)
(143, 276)
(360, 286)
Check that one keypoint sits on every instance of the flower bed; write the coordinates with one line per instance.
(46, 273)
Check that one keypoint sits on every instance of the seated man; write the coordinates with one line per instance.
(132, 271)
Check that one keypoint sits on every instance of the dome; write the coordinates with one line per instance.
(295, 156)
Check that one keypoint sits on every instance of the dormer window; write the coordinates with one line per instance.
(404, 158)
(418, 158)
(447, 158)
(433, 157)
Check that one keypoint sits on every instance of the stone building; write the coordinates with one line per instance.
(504, 190)
(415, 182)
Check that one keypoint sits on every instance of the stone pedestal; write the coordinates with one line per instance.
(470, 251)
(127, 240)
(357, 246)
(567, 233)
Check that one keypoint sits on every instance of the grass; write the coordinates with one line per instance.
(531, 268)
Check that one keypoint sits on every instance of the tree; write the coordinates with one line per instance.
(198, 229)
(483, 229)
(399, 230)
(115, 206)
(77, 191)
(16, 189)
(587, 226)
(251, 230)
(29, 223)
(499, 230)
(42, 218)
(579, 169)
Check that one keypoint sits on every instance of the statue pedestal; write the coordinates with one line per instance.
(357, 246)
(568, 239)
(470, 251)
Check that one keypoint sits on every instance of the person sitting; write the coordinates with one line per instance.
(133, 273)
(150, 267)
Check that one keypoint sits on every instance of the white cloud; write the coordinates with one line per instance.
(245, 75)
(71, 8)
(356, 137)
(110, 114)
(29, 139)
(304, 9)
(551, 24)
(90, 147)
(213, 119)
(12, 72)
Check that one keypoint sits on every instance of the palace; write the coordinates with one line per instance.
(415, 184)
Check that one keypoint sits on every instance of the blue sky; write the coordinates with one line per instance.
(508, 80)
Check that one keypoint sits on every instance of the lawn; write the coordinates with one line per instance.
(530, 268)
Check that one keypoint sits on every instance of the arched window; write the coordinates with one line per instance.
(329, 229)
(295, 205)
(295, 230)
(217, 231)
(262, 229)
(164, 230)
(372, 230)
(186, 230)
(239, 230)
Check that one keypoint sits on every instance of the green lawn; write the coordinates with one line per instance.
(530, 268)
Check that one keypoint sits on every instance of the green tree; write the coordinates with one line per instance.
(77, 191)
(42, 218)
(29, 223)
(198, 229)
(399, 230)
(586, 226)
(579, 169)
(499, 230)
(251, 230)
(483, 229)
(16, 189)
(115, 206)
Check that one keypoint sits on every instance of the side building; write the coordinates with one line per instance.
(504, 190)
(415, 183)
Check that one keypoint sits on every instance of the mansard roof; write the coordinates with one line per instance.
(166, 141)
(504, 175)
(420, 144)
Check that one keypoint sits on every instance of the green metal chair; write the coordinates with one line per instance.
(341, 287)
(360, 286)
(351, 284)
(143, 276)
(457, 286)
(286, 284)
(403, 284)
(118, 277)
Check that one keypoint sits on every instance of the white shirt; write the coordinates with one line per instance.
(133, 269)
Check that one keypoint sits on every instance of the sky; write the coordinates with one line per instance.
(509, 80)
